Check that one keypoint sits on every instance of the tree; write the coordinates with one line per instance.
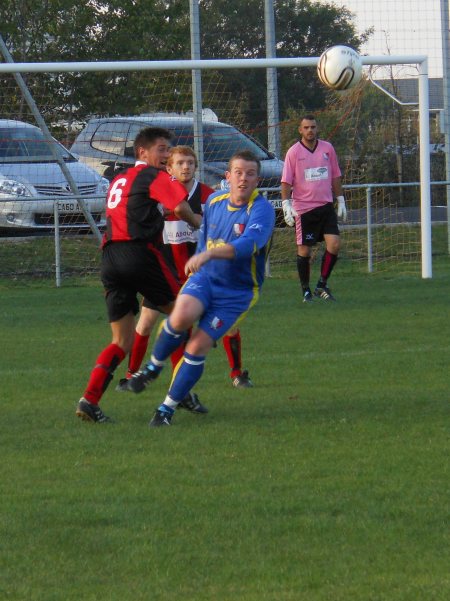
(303, 28)
(59, 30)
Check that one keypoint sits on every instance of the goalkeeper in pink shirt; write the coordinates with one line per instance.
(310, 181)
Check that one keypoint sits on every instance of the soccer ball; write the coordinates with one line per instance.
(339, 67)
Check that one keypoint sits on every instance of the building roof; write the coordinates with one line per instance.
(407, 90)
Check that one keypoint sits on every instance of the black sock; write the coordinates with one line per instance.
(303, 268)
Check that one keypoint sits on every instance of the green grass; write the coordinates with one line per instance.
(31, 261)
(329, 481)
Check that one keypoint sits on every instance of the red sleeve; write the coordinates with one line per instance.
(205, 191)
(167, 191)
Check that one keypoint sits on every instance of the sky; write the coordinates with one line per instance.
(401, 27)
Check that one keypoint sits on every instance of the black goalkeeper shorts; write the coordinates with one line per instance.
(313, 225)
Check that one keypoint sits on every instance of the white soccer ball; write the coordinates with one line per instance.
(339, 67)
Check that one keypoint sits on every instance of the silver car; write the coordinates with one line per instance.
(31, 181)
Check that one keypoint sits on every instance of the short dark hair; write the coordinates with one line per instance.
(245, 155)
(308, 117)
(148, 136)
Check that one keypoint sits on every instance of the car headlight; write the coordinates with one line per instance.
(103, 185)
(14, 188)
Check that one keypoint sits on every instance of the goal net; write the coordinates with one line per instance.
(44, 231)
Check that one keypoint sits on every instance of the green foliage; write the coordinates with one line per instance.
(159, 30)
(302, 29)
(376, 139)
(328, 480)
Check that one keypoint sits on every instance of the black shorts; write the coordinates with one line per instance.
(129, 268)
(313, 225)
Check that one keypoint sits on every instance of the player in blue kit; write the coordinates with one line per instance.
(226, 275)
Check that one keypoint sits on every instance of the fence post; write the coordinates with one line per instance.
(57, 245)
(369, 229)
(425, 185)
(197, 100)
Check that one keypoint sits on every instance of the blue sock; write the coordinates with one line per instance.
(187, 374)
(167, 341)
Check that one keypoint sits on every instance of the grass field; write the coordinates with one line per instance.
(329, 481)
(29, 260)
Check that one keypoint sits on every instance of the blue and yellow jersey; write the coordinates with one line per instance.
(248, 228)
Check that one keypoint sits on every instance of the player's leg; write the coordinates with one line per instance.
(105, 365)
(122, 306)
(172, 334)
(233, 348)
(304, 271)
(178, 255)
(147, 320)
(329, 258)
(305, 239)
(221, 310)
(158, 284)
(330, 234)
(186, 375)
(191, 401)
(177, 354)
(159, 287)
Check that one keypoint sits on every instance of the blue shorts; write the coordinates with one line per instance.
(223, 307)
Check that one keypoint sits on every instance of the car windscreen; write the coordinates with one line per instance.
(27, 145)
(220, 143)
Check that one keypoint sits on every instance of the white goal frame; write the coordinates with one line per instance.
(265, 63)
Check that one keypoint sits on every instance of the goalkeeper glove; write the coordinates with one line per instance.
(288, 212)
(342, 209)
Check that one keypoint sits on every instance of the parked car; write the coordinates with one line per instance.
(31, 180)
(106, 144)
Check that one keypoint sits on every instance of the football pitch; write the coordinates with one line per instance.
(328, 481)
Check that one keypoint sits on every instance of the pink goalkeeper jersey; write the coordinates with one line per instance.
(310, 174)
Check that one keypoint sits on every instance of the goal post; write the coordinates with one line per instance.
(54, 149)
(276, 63)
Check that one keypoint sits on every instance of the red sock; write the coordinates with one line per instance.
(176, 356)
(328, 262)
(103, 371)
(232, 346)
(137, 354)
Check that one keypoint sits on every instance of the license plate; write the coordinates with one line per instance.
(68, 207)
(276, 203)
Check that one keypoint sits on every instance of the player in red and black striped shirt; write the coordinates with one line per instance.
(133, 260)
